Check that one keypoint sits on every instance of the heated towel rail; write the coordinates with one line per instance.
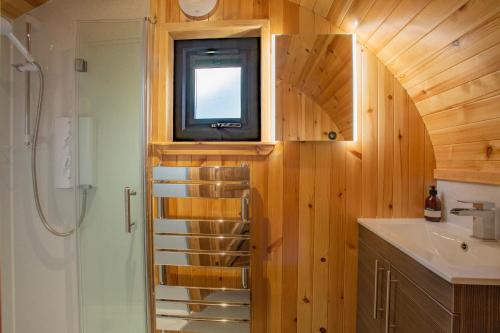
(188, 249)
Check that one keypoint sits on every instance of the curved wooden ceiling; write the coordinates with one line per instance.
(446, 54)
(16, 8)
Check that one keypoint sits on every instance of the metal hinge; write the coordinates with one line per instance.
(81, 65)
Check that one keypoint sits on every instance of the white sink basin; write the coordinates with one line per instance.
(440, 248)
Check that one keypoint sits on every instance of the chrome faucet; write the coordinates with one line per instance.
(483, 214)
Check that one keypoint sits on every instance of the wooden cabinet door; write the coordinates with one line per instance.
(413, 311)
(372, 270)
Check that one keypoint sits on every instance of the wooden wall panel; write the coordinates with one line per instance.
(311, 194)
(445, 53)
(382, 176)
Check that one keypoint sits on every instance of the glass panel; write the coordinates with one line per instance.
(217, 93)
(111, 261)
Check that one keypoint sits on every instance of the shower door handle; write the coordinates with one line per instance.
(128, 192)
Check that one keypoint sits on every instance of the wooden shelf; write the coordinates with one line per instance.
(213, 148)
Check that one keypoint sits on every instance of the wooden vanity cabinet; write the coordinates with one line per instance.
(372, 270)
(419, 300)
(411, 308)
(413, 311)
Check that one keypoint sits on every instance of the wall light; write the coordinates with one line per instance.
(197, 8)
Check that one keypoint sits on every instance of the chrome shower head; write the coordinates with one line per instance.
(26, 67)
(6, 29)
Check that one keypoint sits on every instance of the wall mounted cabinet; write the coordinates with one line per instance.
(315, 89)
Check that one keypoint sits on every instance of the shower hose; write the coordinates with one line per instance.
(34, 176)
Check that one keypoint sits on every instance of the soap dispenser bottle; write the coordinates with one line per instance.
(432, 211)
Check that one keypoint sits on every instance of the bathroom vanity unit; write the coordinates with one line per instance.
(415, 276)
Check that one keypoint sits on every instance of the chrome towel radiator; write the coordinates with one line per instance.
(202, 265)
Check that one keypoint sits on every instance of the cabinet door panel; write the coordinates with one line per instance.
(371, 289)
(413, 311)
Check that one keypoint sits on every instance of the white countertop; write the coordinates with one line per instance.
(438, 247)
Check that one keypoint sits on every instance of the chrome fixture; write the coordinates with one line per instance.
(26, 67)
(6, 30)
(27, 95)
(214, 246)
(128, 192)
(32, 66)
(483, 214)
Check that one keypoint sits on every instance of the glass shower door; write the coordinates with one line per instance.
(110, 117)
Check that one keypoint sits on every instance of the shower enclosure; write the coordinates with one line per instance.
(111, 240)
(92, 279)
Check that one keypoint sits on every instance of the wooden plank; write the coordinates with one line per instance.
(309, 4)
(279, 89)
(374, 18)
(355, 15)
(474, 151)
(416, 169)
(370, 134)
(290, 113)
(338, 10)
(322, 25)
(258, 202)
(261, 9)
(468, 176)
(16, 8)
(210, 148)
(321, 259)
(468, 45)
(404, 12)
(266, 79)
(426, 20)
(401, 151)
(322, 7)
(276, 17)
(306, 236)
(478, 166)
(385, 142)
(306, 21)
(337, 239)
(473, 68)
(291, 174)
(478, 131)
(468, 17)
(354, 189)
(275, 239)
(459, 95)
(291, 18)
(233, 9)
(483, 109)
